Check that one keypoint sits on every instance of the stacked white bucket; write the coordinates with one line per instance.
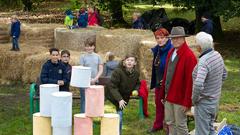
(55, 117)
(56, 108)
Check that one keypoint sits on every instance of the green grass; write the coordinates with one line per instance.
(15, 120)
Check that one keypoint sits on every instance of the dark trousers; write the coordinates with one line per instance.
(159, 96)
(15, 43)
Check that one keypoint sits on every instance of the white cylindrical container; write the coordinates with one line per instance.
(45, 98)
(61, 109)
(62, 130)
(81, 76)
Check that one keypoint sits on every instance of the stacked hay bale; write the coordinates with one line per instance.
(38, 34)
(11, 63)
(74, 39)
(4, 34)
(120, 41)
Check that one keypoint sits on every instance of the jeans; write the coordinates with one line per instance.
(82, 100)
(15, 43)
(120, 113)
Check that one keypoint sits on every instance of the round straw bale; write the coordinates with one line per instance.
(120, 41)
(74, 39)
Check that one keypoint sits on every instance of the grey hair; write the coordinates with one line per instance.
(204, 40)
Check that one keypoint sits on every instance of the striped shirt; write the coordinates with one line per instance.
(208, 76)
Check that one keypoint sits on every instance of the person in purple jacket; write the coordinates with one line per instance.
(15, 33)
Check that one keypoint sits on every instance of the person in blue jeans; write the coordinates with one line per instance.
(94, 61)
(82, 19)
(15, 32)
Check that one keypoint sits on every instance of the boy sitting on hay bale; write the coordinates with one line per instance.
(54, 71)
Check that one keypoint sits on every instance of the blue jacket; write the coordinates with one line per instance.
(163, 55)
(82, 20)
(207, 27)
(15, 29)
(52, 72)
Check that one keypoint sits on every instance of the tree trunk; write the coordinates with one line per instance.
(117, 13)
(200, 8)
(27, 5)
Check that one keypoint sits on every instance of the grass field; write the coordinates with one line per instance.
(15, 119)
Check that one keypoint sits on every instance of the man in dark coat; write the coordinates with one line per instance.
(207, 24)
(54, 72)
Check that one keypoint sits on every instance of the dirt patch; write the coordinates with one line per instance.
(230, 107)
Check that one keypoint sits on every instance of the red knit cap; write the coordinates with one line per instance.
(161, 32)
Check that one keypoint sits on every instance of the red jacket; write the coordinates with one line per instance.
(180, 89)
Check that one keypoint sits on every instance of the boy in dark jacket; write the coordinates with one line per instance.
(138, 22)
(54, 72)
(65, 58)
(124, 80)
(15, 33)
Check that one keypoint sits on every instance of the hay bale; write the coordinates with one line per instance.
(11, 62)
(74, 39)
(38, 34)
(145, 58)
(120, 41)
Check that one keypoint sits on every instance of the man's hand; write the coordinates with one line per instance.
(122, 104)
(60, 82)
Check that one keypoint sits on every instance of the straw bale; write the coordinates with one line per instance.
(11, 62)
(120, 41)
(74, 39)
(38, 34)
(145, 58)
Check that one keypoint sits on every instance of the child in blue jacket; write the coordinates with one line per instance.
(15, 33)
(82, 18)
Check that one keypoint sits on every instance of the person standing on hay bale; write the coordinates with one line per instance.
(177, 83)
(207, 23)
(93, 60)
(208, 77)
(110, 64)
(54, 72)
(65, 58)
(160, 52)
(15, 32)
(124, 80)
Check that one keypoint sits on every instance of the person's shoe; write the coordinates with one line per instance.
(153, 130)
(17, 49)
(12, 49)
